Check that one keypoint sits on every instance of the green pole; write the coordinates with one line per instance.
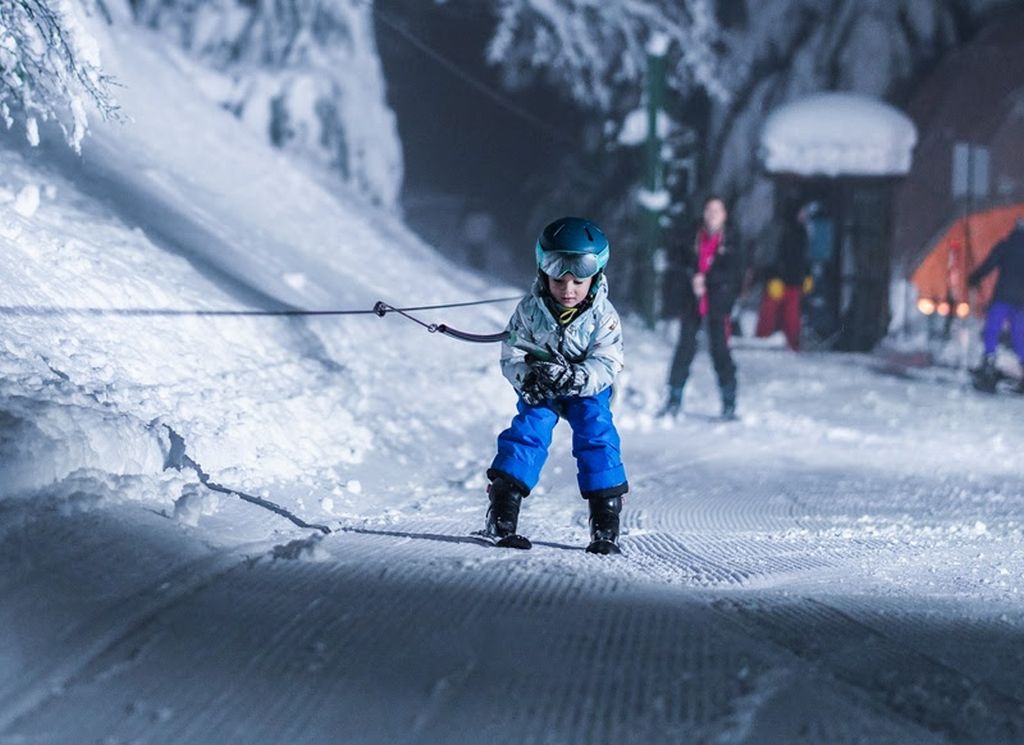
(652, 200)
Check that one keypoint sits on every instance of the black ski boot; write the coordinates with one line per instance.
(729, 401)
(604, 525)
(503, 515)
(986, 377)
(673, 405)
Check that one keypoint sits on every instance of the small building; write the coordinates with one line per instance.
(846, 152)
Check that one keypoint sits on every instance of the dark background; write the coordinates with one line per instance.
(469, 161)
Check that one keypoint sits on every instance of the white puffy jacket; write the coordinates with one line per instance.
(593, 339)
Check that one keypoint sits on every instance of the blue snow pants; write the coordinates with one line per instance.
(997, 317)
(523, 447)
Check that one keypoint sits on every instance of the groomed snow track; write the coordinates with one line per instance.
(734, 616)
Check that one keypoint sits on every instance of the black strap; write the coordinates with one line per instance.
(475, 338)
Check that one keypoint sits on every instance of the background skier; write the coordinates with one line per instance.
(563, 353)
(1007, 305)
(712, 272)
(789, 278)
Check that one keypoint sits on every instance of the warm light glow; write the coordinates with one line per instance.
(943, 308)
(963, 310)
(926, 306)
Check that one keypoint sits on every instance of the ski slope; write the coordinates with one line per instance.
(842, 565)
(762, 597)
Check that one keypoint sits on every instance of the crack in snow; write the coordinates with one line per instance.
(178, 459)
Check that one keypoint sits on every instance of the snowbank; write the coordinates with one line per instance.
(160, 213)
(838, 134)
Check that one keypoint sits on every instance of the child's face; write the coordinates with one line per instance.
(569, 291)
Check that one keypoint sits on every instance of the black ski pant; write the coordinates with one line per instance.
(686, 350)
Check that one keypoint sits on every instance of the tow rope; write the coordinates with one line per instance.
(379, 309)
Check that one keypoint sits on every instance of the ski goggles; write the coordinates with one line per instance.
(580, 265)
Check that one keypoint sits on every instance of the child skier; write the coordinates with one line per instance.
(563, 353)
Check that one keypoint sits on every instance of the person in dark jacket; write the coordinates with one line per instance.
(789, 278)
(1007, 305)
(712, 271)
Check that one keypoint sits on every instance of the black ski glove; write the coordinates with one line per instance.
(559, 376)
(572, 381)
(533, 390)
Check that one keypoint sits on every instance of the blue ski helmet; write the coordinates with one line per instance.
(573, 246)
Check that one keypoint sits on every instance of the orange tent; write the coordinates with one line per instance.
(941, 279)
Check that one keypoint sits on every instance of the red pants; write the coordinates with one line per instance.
(784, 312)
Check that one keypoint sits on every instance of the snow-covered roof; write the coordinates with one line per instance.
(838, 134)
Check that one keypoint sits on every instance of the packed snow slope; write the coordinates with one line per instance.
(183, 208)
(842, 565)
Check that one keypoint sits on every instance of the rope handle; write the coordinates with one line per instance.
(382, 309)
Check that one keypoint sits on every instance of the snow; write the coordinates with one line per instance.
(308, 79)
(838, 134)
(635, 124)
(654, 201)
(801, 582)
(309, 549)
(194, 502)
(658, 44)
(32, 131)
(592, 49)
(51, 67)
(27, 201)
(254, 224)
(874, 48)
(841, 565)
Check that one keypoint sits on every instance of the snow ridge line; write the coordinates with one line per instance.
(178, 459)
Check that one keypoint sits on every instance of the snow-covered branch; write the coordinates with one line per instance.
(785, 50)
(595, 47)
(49, 68)
(305, 73)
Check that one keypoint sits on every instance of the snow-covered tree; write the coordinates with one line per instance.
(778, 51)
(50, 68)
(732, 61)
(306, 73)
(598, 49)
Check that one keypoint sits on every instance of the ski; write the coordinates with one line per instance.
(515, 540)
(604, 548)
(710, 418)
(988, 382)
